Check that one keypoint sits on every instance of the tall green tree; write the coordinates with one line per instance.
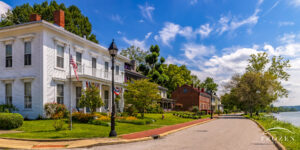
(153, 68)
(135, 53)
(178, 76)
(75, 21)
(141, 93)
(209, 84)
(261, 84)
(91, 98)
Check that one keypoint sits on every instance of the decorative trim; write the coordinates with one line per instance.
(27, 37)
(93, 54)
(27, 79)
(78, 48)
(60, 41)
(7, 80)
(59, 79)
(8, 40)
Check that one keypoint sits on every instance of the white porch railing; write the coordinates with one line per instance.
(99, 73)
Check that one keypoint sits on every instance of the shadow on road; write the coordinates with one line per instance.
(233, 116)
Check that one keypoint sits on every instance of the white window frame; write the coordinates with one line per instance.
(63, 43)
(28, 96)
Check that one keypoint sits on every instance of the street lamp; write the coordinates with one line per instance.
(211, 106)
(113, 51)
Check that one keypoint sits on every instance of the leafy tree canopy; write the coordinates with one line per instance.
(75, 21)
(210, 85)
(135, 53)
(141, 93)
(91, 98)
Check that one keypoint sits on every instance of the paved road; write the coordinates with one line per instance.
(230, 132)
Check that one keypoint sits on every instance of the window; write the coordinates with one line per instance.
(106, 66)
(27, 95)
(27, 53)
(8, 94)
(60, 56)
(60, 94)
(8, 56)
(94, 66)
(117, 70)
(78, 61)
(185, 90)
(106, 94)
(78, 96)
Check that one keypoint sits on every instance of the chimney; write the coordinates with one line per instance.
(59, 18)
(35, 17)
(133, 64)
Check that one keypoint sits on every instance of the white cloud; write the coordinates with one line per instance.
(295, 3)
(204, 30)
(287, 38)
(170, 30)
(286, 23)
(119, 32)
(138, 43)
(147, 11)
(4, 8)
(117, 18)
(148, 35)
(168, 33)
(195, 52)
(172, 60)
(229, 23)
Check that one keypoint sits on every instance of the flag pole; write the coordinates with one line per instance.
(70, 88)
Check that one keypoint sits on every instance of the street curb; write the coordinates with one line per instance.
(123, 141)
(276, 143)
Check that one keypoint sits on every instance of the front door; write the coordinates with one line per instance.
(78, 96)
(106, 95)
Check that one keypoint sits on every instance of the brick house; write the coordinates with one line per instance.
(188, 96)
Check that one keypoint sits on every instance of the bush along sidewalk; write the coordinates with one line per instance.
(189, 115)
(10, 120)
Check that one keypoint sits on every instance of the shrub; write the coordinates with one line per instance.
(56, 111)
(99, 122)
(195, 109)
(7, 108)
(58, 124)
(131, 118)
(187, 115)
(154, 108)
(104, 118)
(131, 110)
(81, 117)
(10, 120)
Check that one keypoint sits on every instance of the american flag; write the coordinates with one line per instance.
(74, 66)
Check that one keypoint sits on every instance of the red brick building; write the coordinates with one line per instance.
(187, 96)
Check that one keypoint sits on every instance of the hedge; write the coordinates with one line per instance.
(10, 120)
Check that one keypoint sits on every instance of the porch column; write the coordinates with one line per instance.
(84, 88)
(101, 95)
(122, 104)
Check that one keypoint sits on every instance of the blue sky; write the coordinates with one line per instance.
(212, 37)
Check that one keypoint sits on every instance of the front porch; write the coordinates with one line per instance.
(105, 93)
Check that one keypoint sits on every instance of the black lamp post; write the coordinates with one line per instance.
(211, 106)
(113, 51)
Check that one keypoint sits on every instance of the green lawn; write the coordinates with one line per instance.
(43, 129)
(291, 141)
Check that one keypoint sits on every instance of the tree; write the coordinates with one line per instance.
(178, 76)
(135, 53)
(91, 98)
(141, 93)
(75, 21)
(210, 85)
(153, 68)
(259, 86)
(195, 81)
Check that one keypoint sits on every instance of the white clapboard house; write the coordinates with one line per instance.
(34, 67)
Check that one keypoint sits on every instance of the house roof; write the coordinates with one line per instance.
(61, 30)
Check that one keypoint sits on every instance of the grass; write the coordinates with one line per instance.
(290, 140)
(43, 129)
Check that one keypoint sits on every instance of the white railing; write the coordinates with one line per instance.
(99, 73)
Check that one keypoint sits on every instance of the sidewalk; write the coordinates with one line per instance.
(133, 137)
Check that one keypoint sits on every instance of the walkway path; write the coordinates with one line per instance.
(230, 132)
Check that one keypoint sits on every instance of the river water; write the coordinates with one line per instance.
(291, 117)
